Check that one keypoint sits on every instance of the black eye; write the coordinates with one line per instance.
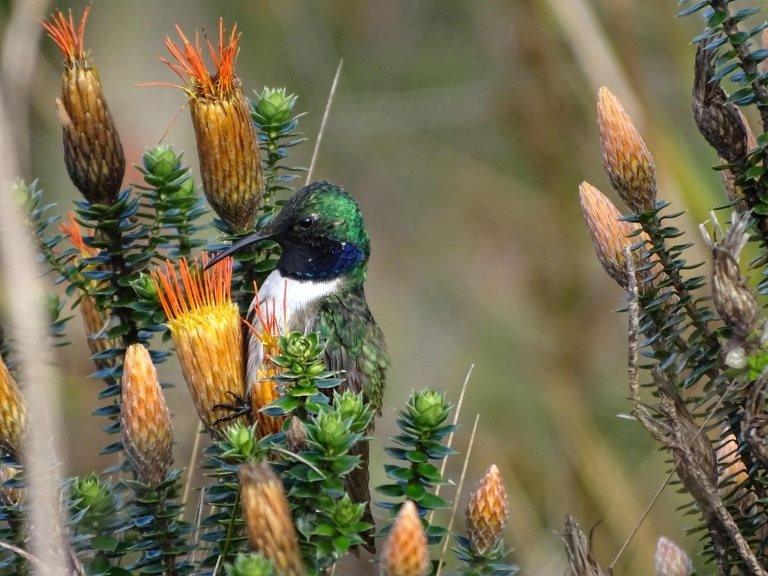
(306, 223)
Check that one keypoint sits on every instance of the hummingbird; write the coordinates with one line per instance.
(319, 284)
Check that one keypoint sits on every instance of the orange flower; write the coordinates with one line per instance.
(13, 412)
(93, 153)
(227, 143)
(205, 326)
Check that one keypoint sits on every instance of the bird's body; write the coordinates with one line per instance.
(318, 286)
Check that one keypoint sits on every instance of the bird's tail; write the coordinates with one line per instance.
(358, 486)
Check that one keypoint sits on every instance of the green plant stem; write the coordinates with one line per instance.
(230, 526)
(122, 290)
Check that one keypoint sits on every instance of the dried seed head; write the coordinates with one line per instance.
(11, 494)
(626, 158)
(611, 235)
(263, 389)
(731, 465)
(406, 552)
(205, 326)
(95, 321)
(296, 437)
(227, 143)
(93, 153)
(734, 300)
(670, 560)
(267, 518)
(720, 122)
(146, 420)
(13, 413)
(487, 512)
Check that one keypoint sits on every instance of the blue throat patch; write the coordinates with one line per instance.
(321, 260)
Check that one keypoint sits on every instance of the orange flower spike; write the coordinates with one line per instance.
(206, 331)
(70, 40)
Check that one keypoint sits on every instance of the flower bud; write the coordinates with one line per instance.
(12, 491)
(487, 512)
(241, 441)
(428, 408)
(227, 143)
(611, 235)
(626, 158)
(250, 565)
(720, 122)
(94, 498)
(13, 412)
(352, 409)
(330, 431)
(405, 551)
(296, 437)
(670, 560)
(267, 518)
(93, 153)
(346, 512)
(146, 420)
(273, 107)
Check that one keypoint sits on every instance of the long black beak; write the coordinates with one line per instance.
(239, 245)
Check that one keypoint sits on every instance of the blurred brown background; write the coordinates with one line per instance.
(463, 128)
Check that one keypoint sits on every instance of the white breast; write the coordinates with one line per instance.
(286, 297)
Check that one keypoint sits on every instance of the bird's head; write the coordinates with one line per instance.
(321, 234)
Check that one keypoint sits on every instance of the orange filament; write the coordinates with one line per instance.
(189, 63)
(190, 289)
(69, 227)
(69, 39)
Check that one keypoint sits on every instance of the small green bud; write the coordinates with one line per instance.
(145, 287)
(428, 408)
(331, 430)
(161, 161)
(250, 565)
(187, 188)
(350, 405)
(274, 106)
(346, 512)
(240, 441)
(92, 494)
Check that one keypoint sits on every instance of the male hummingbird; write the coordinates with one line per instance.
(319, 285)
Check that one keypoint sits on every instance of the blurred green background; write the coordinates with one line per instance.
(463, 128)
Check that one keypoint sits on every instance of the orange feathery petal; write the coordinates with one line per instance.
(70, 228)
(69, 38)
(192, 288)
(188, 62)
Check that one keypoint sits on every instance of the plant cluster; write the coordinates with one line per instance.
(277, 498)
(698, 351)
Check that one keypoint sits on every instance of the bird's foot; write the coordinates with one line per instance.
(237, 408)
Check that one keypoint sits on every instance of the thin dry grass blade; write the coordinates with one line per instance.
(324, 121)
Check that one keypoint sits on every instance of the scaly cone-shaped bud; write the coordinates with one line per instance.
(611, 235)
(227, 143)
(720, 122)
(487, 512)
(406, 552)
(13, 412)
(93, 153)
(734, 300)
(267, 518)
(670, 560)
(205, 326)
(147, 430)
(626, 158)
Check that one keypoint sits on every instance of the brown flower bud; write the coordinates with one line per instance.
(296, 437)
(10, 495)
(670, 560)
(626, 158)
(227, 143)
(13, 413)
(93, 153)
(732, 467)
(267, 518)
(406, 552)
(611, 235)
(206, 331)
(487, 512)
(146, 420)
(734, 300)
(721, 123)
